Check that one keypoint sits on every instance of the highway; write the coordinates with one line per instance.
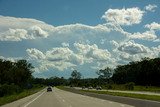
(60, 98)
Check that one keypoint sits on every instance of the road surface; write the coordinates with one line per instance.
(60, 98)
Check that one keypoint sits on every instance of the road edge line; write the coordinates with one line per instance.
(34, 99)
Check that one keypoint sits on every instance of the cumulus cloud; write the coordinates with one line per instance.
(36, 31)
(151, 7)
(114, 43)
(92, 51)
(147, 35)
(124, 16)
(62, 58)
(65, 44)
(14, 35)
(133, 48)
(58, 58)
(153, 26)
(35, 53)
(17, 29)
(63, 54)
(61, 66)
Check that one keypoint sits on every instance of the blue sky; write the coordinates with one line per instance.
(58, 36)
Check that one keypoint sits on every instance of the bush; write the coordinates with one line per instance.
(6, 89)
(130, 86)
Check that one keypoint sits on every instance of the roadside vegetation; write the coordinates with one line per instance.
(10, 98)
(139, 96)
(16, 79)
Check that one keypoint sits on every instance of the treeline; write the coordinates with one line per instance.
(145, 72)
(14, 76)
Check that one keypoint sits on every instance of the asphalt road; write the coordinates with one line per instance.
(60, 98)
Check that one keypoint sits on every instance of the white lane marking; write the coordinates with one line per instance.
(33, 99)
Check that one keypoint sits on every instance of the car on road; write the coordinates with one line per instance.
(49, 89)
(98, 88)
(83, 87)
(90, 87)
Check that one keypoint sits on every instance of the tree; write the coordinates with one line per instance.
(75, 78)
(76, 75)
(22, 72)
(144, 72)
(105, 73)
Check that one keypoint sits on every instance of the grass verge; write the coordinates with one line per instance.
(140, 96)
(131, 95)
(14, 97)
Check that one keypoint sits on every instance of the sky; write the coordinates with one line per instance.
(59, 36)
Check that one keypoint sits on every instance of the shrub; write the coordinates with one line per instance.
(6, 89)
(130, 86)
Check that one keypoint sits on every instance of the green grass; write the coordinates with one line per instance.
(11, 98)
(140, 96)
(132, 95)
(136, 88)
(147, 88)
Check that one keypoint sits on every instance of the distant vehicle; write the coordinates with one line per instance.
(83, 87)
(90, 87)
(98, 88)
(49, 89)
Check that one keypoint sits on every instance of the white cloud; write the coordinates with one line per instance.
(36, 31)
(17, 29)
(150, 7)
(156, 51)
(124, 16)
(147, 35)
(65, 44)
(92, 51)
(81, 29)
(22, 23)
(63, 54)
(14, 35)
(35, 53)
(114, 43)
(133, 48)
(61, 66)
(12, 59)
(153, 26)
(58, 58)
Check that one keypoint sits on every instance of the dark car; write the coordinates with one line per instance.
(83, 87)
(49, 89)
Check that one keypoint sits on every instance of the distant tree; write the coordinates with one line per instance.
(144, 72)
(22, 72)
(75, 78)
(76, 75)
(105, 73)
(18, 72)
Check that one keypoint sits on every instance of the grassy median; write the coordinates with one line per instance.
(131, 95)
(14, 97)
(140, 96)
